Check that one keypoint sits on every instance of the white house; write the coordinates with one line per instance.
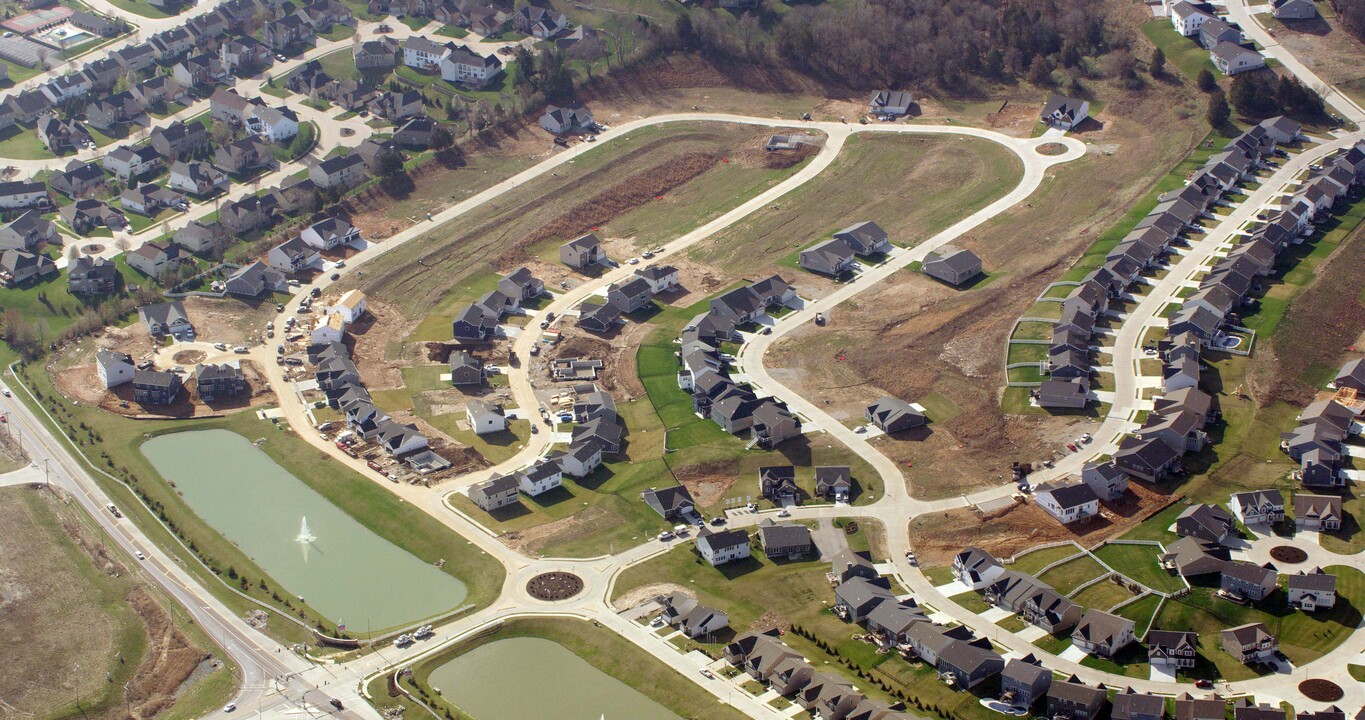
(722, 547)
(1187, 19)
(1258, 507)
(661, 278)
(566, 119)
(464, 66)
(351, 306)
(1312, 591)
(976, 568)
(115, 368)
(1231, 58)
(581, 459)
(1067, 501)
(333, 330)
(274, 124)
(541, 477)
(483, 418)
(330, 233)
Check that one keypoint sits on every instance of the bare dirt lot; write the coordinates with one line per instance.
(1320, 43)
(617, 352)
(53, 573)
(937, 537)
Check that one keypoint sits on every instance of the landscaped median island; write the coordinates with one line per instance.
(345, 499)
(585, 672)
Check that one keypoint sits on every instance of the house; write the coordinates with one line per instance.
(1133, 705)
(496, 493)
(725, 546)
(1312, 591)
(1248, 581)
(1064, 113)
(1317, 512)
(538, 22)
(1351, 375)
(289, 30)
(228, 107)
(179, 140)
(473, 323)
(1215, 31)
(1244, 708)
(254, 280)
(78, 180)
(786, 540)
(416, 132)
(85, 215)
(831, 257)
(397, 105)
(128, 163)
(976, 568)
(171, 44)
(243, 155)
(149, 200)
(541, 477)
(155, 258)
(273, 124)
(1072, 393)
(893, 415)
(1150, 460)
(1190, 708)
(1034, 600)
(1251, 644)
(581, 459)
(342, 171)
(463, 66)
(1068, 501)
(952, 265)
(966, 664)
(21, 194)
(773, 423)
(521, 284)
(691, 617)
(582, 252)
(1072, 699)
(1258, 507)
(485, 418)
(421, 52)
(243, 55)
(329, 329)
(331, 233)
(196, 178)
(465, 369)
(561, 120)
(217, 382)
(92, 276)
(778, 483)
(155, 387)
(375, 54)
(890, 104)
(114, 368)
(1187, 17)
(1171, 649)
(866, 238)
(856, 598)
(1293, 9)
(202, 238)
(1231, 59)
(1024, 681)
(1192, 557)
(1177, 428)
(28, 231)
(62, 136)
(19, 266)
(834, 482)
(630, 296)
(671, 503)
(890, 622)
(1107, 480)
(599, 319)
(292, 256)
(248, 214)
(848, 564)
(1102, 635)
(1206, 522)
(199, 72)
(399, 439)
(108, 112)
(95, 24)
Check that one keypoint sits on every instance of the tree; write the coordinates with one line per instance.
(1218, 112)
(441, 138)
(526, 69)
(1158, 65)
(685, 32)
(1038, 72)
(1205, 81)
(388, 163)
(557, 77)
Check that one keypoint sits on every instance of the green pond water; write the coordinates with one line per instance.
(529, 678)
(345, 571)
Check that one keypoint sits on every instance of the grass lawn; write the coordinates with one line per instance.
(339, 32)
(1036, 560)
(340, 65)
(20, 143)
(1102, 596)
(114, 441)
(605, 650)
(137, 7)
(1013, 623)
(1140, 612)
(49, 303)
(454, 31)
(494, 447)
(416, 23)
(1186, 54)
(1072, 574)
(1032, 330)
(1138, 562)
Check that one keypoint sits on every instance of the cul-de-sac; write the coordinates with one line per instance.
(682, 359)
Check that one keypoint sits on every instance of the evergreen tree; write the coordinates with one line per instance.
(1218, 112)
(1158, 66)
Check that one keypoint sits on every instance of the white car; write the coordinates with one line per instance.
(138, 554)
(229, 707)
(5, 392)
(706, 672)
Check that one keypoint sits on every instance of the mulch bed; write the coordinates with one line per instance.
(1288, 554)
(1321, 690)
(554, 586)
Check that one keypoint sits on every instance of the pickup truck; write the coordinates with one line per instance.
(374, 466)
